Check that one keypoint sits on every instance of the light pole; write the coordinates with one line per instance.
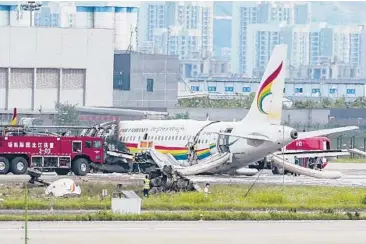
(31, 6)
(26, 213)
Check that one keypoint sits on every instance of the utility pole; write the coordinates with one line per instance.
(26, 214)
(31, 6)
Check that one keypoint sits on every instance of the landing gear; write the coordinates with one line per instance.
(278, 170)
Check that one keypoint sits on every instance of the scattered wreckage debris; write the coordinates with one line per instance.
(119, 160)
(63, 188)
(58, 188)
(34, 180)
(162, 181)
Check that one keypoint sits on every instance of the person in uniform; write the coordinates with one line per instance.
(146, 186)
(207, 190)
(297, 162)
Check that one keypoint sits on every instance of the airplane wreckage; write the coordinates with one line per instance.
(163, 177)
(162, 166)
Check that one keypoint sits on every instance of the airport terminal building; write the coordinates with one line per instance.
(295, 89)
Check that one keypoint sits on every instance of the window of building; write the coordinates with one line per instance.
(212, 88)
(195, 88)
(351, 91)
(246, 89)
(229, 88)
(332, 91)
(315, 90)
(298, 90)
(121, 81)
(150, 85)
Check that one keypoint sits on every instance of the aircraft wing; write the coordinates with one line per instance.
(316, 153)
(309, 134)
(249, 137)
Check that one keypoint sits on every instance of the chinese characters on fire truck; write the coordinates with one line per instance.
(44, 148)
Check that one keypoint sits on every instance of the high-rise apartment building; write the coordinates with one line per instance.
(246, 13)
(316, 42)
(302, 13)
(297, 39)
(342, 43)
(181, 28)
(262, 38)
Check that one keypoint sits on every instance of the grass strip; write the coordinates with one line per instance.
(189, 216)
(223, 197)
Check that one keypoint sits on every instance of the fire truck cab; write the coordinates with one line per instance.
(49, 153)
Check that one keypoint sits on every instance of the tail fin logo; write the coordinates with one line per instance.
(265, 89)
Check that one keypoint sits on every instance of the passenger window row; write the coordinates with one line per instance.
(162, 138)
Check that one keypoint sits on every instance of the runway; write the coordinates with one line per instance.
(354, 174)
(200, 232)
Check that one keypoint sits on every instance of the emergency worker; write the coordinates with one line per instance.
(311, 163)
(297, 162)
(207, 190)
(146, 186)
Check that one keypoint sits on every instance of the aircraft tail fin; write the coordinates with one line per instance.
(267, 104)
(14, 118)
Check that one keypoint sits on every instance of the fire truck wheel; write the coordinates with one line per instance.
(4, 166)
(80, 166)
(19, 165)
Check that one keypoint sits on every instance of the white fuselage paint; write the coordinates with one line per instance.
(180, 132)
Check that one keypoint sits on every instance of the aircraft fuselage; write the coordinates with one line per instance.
(176, 137)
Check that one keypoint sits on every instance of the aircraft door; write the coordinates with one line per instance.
(223, 141)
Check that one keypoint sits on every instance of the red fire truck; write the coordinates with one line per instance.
(49, 152)
(305, 150)
(309, 144)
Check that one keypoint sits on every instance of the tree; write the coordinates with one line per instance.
(66, 114)
(360, 102)
(326, 103)
(241, 101)
(340, 102)
(181, 116)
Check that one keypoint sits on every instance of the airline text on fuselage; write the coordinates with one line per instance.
(155, 129)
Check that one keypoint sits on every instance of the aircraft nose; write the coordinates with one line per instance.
(294, 134)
